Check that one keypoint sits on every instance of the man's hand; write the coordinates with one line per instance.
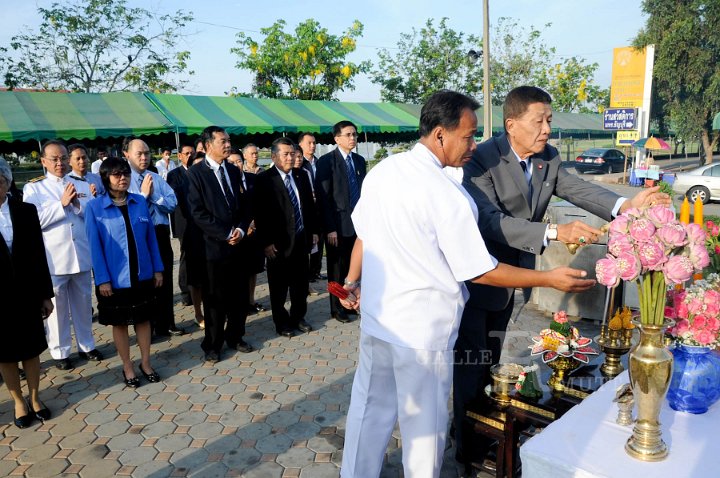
(332, 238)
(349, 303)
(158, 280)
(235, 237)
(567, 279)
(270, 251)
(146, 188)
(251, 228)
(69, 195)
(647, 198)
(578, 232)
(93, 190)
(46, 308)
(105, 289)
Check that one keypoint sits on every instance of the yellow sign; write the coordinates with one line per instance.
(626, 138)
(628, 78)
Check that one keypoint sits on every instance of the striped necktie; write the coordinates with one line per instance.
(295, 205)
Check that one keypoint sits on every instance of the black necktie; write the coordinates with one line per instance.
(524, 165)
(77, 177)
(226, 187)
(352, 182)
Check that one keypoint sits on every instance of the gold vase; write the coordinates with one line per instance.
(560, 366)
(650, 364)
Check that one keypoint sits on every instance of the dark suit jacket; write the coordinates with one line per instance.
(511, 227)
(25, 273)
(332, 191)
(177, 179)
(210, 211)
(274, 214)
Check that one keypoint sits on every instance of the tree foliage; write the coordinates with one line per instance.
(309, 64)
(98, 46)
(429, 60)
(437, 57)
(686, 35)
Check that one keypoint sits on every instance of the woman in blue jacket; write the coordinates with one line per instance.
(126, 264)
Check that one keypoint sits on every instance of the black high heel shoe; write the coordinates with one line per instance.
(150, 377)
(131, 382)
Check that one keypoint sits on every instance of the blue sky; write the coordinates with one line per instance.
(585, 28)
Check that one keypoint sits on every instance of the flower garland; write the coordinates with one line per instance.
(562, 340)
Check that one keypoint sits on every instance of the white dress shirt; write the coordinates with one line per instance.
(6, 229)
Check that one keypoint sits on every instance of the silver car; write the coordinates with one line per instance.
(702, 183)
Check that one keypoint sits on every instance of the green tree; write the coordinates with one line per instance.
(429, 60)
(572, 87)
(98, 46)
(686, 35)
(309, 64)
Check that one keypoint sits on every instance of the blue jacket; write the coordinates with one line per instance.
(109, 245)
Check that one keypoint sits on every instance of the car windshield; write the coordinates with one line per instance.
(593, 152)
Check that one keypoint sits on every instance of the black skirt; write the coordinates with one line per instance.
(130, 306)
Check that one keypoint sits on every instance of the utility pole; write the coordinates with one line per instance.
(487, 106)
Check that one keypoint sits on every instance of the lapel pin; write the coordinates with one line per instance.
(539, 165)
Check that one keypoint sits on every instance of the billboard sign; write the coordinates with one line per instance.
(627, 138)
(627, 85)
(620, 119)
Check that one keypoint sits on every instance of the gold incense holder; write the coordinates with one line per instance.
(504, 377)
(615, 344)
(560, 367)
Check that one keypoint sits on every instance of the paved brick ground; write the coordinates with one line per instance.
(276, 412)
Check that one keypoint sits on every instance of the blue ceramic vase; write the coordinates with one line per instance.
(695, 383)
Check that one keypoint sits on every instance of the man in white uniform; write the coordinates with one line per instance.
(418, 241)
(61, 206)
(164, 165)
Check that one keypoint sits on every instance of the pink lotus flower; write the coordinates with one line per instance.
(678, 269)
(628, 266)
(642, 230)
(620, 224)
(652, 254)
(560, 317)
(619, 244)
(673, 235)
(696, 234)
(606, 272)
(699, 256)
(660, 215)
(715, 231)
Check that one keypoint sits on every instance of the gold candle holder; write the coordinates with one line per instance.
(615, 344)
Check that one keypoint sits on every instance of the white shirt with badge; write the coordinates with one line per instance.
(63, 228)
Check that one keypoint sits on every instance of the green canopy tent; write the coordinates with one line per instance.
(716, 122)
(38, 116)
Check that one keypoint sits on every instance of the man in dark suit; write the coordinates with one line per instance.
(287, 229)
(191, 271)
(307, 144)
(338, 179)
(512, 178)
(219, 208)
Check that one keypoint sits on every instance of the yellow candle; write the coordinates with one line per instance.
(698, 216)
(685, 211)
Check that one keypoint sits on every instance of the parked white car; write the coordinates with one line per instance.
(702, 183)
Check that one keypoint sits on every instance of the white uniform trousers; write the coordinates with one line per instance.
(397, 383)
(73, 299)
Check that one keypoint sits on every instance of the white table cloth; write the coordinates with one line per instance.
(586, 442)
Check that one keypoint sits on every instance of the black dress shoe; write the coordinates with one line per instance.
(152, 377)
(186, 300)
(320, 276)
(133, 382)
(287, 333)
(93, 355)
(257, 307)
(303, 326)
(24, 421)
(212, 357)
(176, 331)
(63, 364)
(43, 414)
(341, 316)
(243, 347)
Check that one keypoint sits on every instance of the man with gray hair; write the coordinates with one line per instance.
(61, 209)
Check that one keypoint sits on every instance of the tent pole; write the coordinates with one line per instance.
(177, 141)
(367, 146)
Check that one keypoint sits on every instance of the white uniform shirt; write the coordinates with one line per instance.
(6, 229)
(63, 228)
(420, 243)
(162, 169)
(95, 166)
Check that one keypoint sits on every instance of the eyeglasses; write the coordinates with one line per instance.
(121, 174)
(58, 159)
(349, 135)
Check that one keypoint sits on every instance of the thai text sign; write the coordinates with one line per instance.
(628, 78)
(619, 119)
(627, 138)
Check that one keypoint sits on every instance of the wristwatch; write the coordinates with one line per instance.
(552, 232)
